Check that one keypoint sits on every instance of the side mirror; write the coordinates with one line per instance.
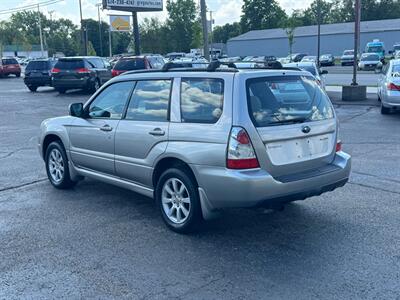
(76, 110)
(323, 72)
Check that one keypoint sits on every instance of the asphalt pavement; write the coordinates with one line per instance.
(103, 242)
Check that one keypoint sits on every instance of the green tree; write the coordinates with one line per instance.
(221, 34)
(261, 14)
(182, 16)
(290, 26)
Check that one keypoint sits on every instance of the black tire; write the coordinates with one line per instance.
(32, 88)
(385, 110)
(18, 75)
(194, 219)
(61, 91)
(65, 182)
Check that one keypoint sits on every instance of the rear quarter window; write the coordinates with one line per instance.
(201, 100)
(285, 100)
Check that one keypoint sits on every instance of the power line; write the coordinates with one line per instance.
(28, 7)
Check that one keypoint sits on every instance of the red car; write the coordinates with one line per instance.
(9, 66)
(131, 63)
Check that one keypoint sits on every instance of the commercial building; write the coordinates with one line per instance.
(334, 39)
(32, 51)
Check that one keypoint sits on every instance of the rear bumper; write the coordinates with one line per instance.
(81, 83)
(224, 188)
(391, 99)
(37, 81)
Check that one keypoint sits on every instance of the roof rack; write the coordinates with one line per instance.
(214, 66)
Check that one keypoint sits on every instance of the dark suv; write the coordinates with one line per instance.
(38, 73)
(9, 66)
(143, 62)
(87, 72)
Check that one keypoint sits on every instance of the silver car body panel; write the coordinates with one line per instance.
(292, 163)
(389, 98)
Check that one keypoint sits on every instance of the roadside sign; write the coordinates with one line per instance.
(120, 23)
(133, 5)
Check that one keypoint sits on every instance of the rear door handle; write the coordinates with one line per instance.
(106, 128)
(157, 132)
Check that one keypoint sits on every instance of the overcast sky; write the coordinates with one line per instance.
(225, 11)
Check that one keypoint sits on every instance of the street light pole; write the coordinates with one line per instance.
(83, 38)
(100, 34)
(203, 10)
(211, 37)
(319, 31)
(357, 8)
(40, 32)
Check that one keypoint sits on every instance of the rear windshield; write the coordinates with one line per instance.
(37, 65)
(10, 61)
(349, 52)
(70, 64)
(130, 64)
(286, 100)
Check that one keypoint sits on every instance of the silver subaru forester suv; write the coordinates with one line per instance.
(198, 141)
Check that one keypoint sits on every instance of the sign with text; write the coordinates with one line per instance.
(133, 5)
(120, 23)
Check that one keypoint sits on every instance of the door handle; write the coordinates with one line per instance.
(157, 132)
(106, 128)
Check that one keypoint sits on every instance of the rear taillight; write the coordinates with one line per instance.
(55, 70)
(82, 70)
(115, 73)
(241, 154)
(392, 87)
(339, 146)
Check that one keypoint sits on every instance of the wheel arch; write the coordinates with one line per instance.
(168, 162)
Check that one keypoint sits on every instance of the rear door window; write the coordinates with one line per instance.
(286, 100)
(201, 100)
(70, 64)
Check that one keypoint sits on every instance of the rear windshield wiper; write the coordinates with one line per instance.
(289, 121)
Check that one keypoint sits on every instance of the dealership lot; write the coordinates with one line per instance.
(101, 241)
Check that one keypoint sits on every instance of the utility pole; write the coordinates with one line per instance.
(319, 31)
(203, 10)
(357, 8)
(51, 12)
(83, 38)
(100, 33)
(40, 32)
(211, 34)
(136, 35)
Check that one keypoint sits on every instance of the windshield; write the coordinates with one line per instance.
(396, 68)
(285, 100)
(130, 64)
(348, 52)
(374, 49)
(372, 57)
(37, 65)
